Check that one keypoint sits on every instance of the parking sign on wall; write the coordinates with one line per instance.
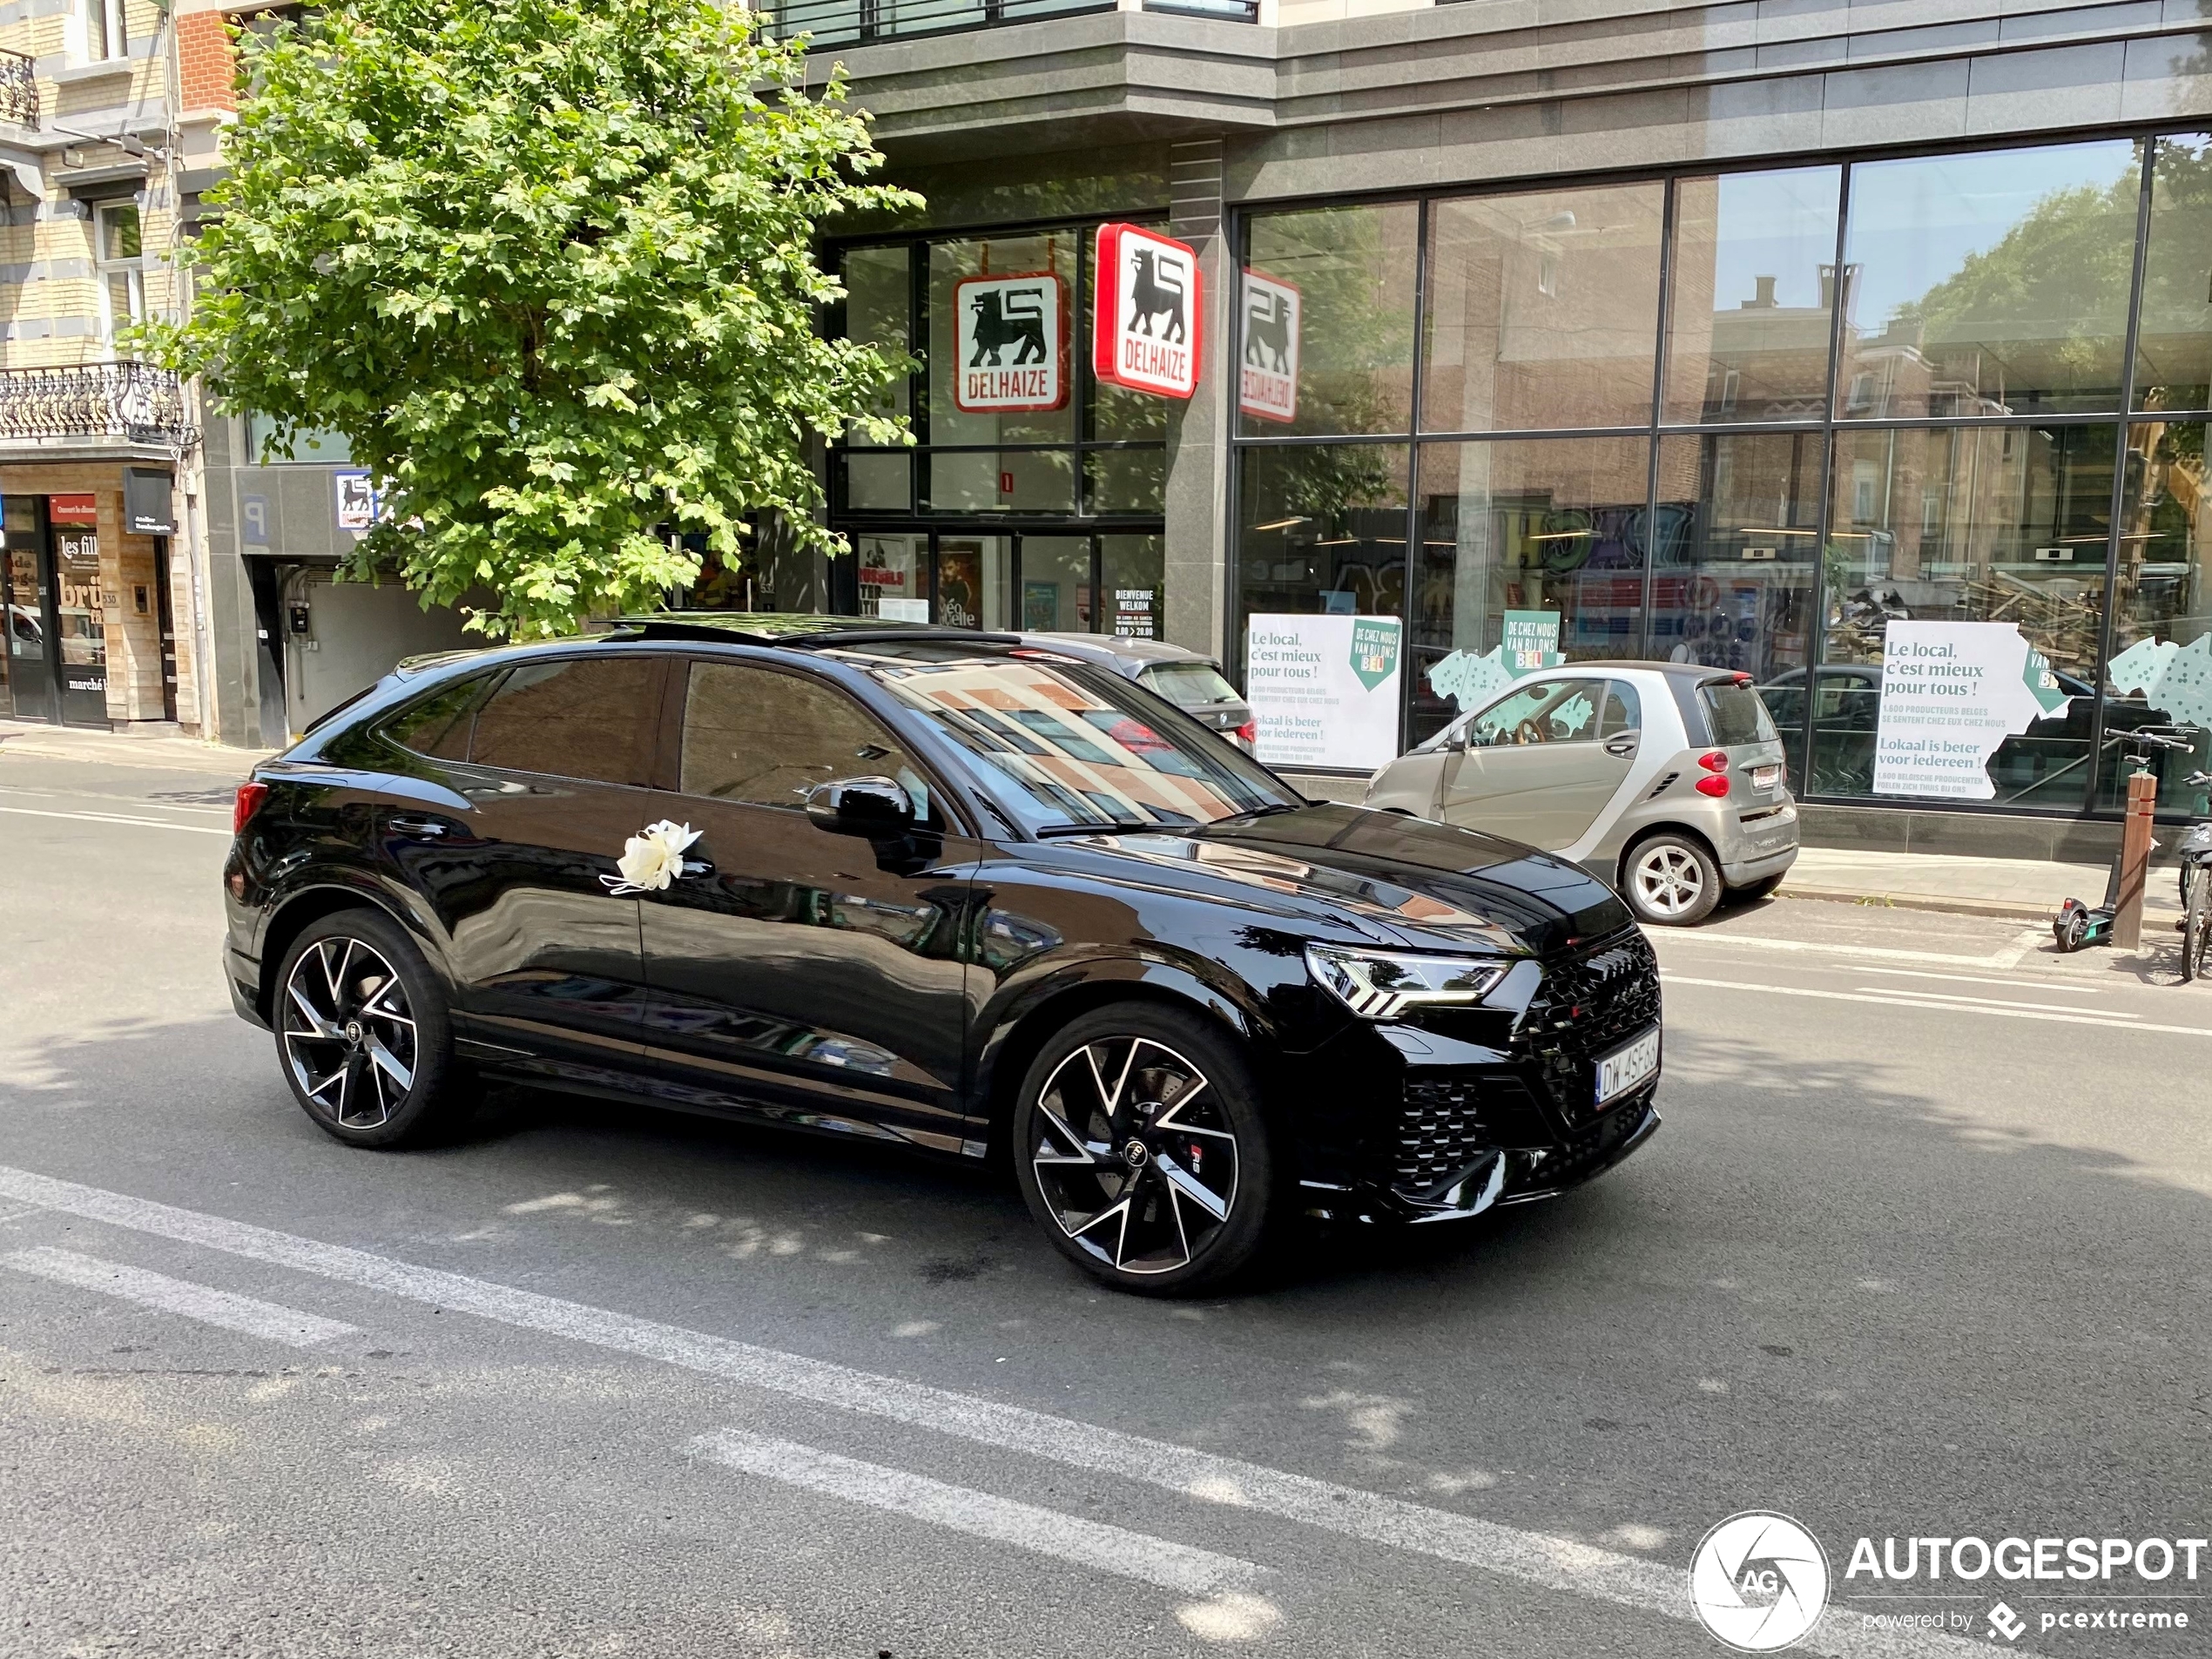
(1010, 335)
(1267, 381)
(1146, 335)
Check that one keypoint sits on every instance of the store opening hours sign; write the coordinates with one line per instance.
(1011, 334)
(1267, 382)
(1146, 335)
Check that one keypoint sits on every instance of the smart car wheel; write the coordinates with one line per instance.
(363, 1030)
(1142, 1150)
(1670, 881)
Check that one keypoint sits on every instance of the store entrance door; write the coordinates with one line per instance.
(27, 685)
(80, 618)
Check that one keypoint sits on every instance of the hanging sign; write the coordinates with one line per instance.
(358, 500)
(1146, 335)
(1951, 694)
(1324, 689)
(1010, 333)
(1267, 388)
(81, 506)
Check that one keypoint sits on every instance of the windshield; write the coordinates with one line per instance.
(1188, 686)
(1734, 711)
(1064, 746)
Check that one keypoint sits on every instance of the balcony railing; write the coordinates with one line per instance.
(18, 90)
(861, 22)
(133, 402)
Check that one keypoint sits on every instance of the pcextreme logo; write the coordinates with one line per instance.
(1759, 1582)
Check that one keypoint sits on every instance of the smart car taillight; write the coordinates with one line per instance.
(1248, 733)
(244, 804)
(1713, 784)
(1713, 760)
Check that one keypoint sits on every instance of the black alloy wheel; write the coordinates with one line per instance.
(1140, 1148)
(363, 1030)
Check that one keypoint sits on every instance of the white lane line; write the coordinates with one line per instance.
(1919, 995)
(980, 1514)
(118, 817)
(2004, 958)
(1985, 979)
(1911, 999)
(1531, 1557)
(202, 809)
(246, 1314)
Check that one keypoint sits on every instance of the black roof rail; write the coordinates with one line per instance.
(734, 631)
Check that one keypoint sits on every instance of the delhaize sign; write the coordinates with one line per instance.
(1146, 336)
(1011, 334)
(1267, 386)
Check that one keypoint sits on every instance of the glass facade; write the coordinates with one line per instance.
(1750, 418)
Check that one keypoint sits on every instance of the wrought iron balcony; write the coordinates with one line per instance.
(863, 22)
(18, 90)
(135, 403)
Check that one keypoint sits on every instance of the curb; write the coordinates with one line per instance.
(2155, 917)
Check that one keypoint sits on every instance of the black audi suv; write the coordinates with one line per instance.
(940, 890)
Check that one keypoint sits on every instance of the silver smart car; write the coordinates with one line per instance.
(1665, 778)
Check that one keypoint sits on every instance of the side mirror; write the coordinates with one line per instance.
(876, 807)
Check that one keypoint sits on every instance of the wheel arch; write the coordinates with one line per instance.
(301, 910)
(1665, 826)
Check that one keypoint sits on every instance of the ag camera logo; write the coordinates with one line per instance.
(1759, 1582)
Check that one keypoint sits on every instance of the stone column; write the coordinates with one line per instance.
(1196, 596)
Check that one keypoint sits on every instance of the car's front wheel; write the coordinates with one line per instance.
(1141, 1148)
(1670, 881)
(364, 1030)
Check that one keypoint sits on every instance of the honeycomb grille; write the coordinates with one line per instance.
(1440, 1134)
(1587, 1007)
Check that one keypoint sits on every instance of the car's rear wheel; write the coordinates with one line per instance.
(364, 1030)
(1142, 1150)
(1670, 881)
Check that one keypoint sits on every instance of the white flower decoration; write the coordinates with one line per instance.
(651, 858)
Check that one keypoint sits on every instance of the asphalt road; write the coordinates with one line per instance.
(1921, 1251)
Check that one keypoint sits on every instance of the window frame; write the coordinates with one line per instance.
(655, 769)
(105, 270)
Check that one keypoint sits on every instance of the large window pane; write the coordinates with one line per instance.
(1966, 524)
(1989, 283)
(1056, 585)
(1136, 585)
(2160, 674)
(973, 575)
(994, 481)
(1053, 252)
(1552, 524)
(1542, 309)
(2173, 342)
(878, 310)
(1324, 529)
(1353, 269)
(1751, 295)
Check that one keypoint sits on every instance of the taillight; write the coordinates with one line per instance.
(1713, 784)
(1713, 760)
(244, 804)
(1248, 733)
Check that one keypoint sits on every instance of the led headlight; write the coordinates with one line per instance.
(1383, 985)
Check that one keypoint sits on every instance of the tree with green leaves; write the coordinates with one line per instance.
(548, 266)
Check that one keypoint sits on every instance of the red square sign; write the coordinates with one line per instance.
(1146, 335)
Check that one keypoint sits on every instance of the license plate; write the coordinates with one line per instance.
(1623, 1069)
(1765, 776)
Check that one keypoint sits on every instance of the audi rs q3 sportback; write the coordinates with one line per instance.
(945, 890)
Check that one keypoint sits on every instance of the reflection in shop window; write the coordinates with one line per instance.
(2160, 674)
(1325, 530)
(2021, 536)
(878, 307)
(1353, 269)
(1542, 524)
(2174, 340)
(1990, 283)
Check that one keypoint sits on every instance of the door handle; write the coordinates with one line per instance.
(424, 829)
(1621, 747)
(697, 867)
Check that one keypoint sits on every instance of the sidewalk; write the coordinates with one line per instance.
(119, 749)
(2030, 889)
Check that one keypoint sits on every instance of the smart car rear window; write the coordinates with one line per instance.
(1190, 685)
(1734, 713)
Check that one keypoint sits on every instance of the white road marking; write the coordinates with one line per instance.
(146, 806)
(118, 817)
(245, 1314)
(1996, 1002)
(1987, 979)
(1912, 999)
(1535, 1558)
(2004, 958)
(980, 1514)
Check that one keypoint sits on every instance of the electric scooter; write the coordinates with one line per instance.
(2079, 926)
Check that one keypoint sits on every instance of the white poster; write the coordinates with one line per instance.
(1951, 694)
(1012, 342)
(1267, 390)
(1324, 690)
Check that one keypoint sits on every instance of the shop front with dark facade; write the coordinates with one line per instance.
(1744, 336)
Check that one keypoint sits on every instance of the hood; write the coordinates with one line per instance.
(1433, 885)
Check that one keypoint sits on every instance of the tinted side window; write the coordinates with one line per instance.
(756, 735)
(580, 717)
(440, 725)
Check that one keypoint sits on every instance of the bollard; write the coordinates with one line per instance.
(2135, 860)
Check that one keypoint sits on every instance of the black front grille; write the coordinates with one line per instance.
(1588, 1006)
(1441, 1133)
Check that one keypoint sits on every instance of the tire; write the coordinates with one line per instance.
(1765, 887)
(1670, 881)
(2071, 931)
(2196, 930)
(1143, 1153)
(2187, 878)
(364, 1031)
